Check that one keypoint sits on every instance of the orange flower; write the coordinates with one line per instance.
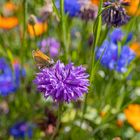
(135, 46)
(96, 2)
(133, 9)
(8, 22)
(119, 123)
(132, 114)
(9, 6)
(38, 29)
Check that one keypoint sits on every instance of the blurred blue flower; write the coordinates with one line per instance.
(113, 56)
(21, 130)
(84, 9)
(72, 7)
(62, 83)
(118, 35)
(9, 79)
(50, 45)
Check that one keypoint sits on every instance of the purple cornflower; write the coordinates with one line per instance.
(114, 13)
(62, 83)
(50, 45)
(114, 57)
(9, 80)
(21, 130)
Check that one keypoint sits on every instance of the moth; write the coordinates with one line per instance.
(42, 60)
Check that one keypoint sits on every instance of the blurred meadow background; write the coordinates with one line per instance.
(70, 69)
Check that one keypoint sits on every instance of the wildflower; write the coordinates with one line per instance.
(85, 9)
(37, 29)
(50, 45)
(135, 46)
(115, 15)
(112, 57)
(32, 20)
(133, 8)
(72, 7)
(9, 81)
(88, 10)
(132, 113)
(62, 83)
(8, 8)
(21, 130)
(8, 22)
(96, 2)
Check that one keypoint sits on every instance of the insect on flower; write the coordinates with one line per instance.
(41, 59)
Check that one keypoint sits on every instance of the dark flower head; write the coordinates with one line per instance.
(21, 130)
(88, 10)
(9, 80)
(112, 57)
(115, 15)
(62, 83)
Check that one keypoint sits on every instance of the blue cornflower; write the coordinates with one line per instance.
(21, 130)
(63, 83)
(72, 7)
(84, 9)
(9, 79)
(114, 57)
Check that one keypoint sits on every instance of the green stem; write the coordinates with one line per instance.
(56, 10)
(24, 32)
(96, 33)
(34, 33)
(64, 31)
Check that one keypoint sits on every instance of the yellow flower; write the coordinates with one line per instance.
(135, 46)
(132, 113)
(8, 22)
(38, 29)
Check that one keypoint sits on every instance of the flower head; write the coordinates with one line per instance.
(115, 15)
(62, 83)
(135, 46)
(88, 10)
(112, 57)
(9, 81)
(8, 22)
(50, 45)
(72, 7)
(132, 113)
(21, 130)
(85, 9)
(37, 29)
(133, 8)
(8, 8)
